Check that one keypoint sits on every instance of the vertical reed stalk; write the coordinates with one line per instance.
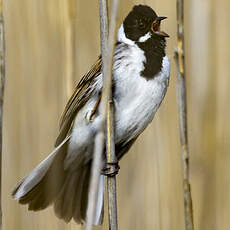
(111, 180)
(2, 87)
(111, 155)
(107, 46)
(107, 60)
(182, 111)
(70, 38)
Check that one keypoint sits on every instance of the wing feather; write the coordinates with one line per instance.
(81, 95)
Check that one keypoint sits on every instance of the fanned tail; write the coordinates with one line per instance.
(49, 183)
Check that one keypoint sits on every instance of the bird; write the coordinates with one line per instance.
(141, 71)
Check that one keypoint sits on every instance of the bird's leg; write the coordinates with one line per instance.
(90, 114)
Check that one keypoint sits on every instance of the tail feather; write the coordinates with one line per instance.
(64, 205)
(79, 195)
(27, 186)
(67, 189)
(100, 202)
(68, 198)
(84, 197)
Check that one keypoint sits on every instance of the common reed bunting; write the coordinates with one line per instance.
(141, 72)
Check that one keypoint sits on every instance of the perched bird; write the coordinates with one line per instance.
(141, 72)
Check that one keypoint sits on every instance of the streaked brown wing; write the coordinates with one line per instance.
(81, 95)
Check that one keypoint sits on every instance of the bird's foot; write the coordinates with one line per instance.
(111, 169)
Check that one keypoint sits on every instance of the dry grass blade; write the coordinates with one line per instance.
(182, 110)
(107, 46)
(2, 86)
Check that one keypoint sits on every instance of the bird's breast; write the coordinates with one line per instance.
(137, 99)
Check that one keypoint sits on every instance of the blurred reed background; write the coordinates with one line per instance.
(51, 44)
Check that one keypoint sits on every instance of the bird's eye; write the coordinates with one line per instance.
(141, 24)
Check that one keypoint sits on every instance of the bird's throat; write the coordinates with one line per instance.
(154, 50)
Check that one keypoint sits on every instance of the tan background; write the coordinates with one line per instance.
(39, 67)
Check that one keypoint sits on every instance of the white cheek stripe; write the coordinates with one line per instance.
(122, 38)
(145, 37)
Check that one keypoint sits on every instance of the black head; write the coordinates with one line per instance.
(141, 21)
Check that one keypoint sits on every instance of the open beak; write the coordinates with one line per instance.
(156, 27)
